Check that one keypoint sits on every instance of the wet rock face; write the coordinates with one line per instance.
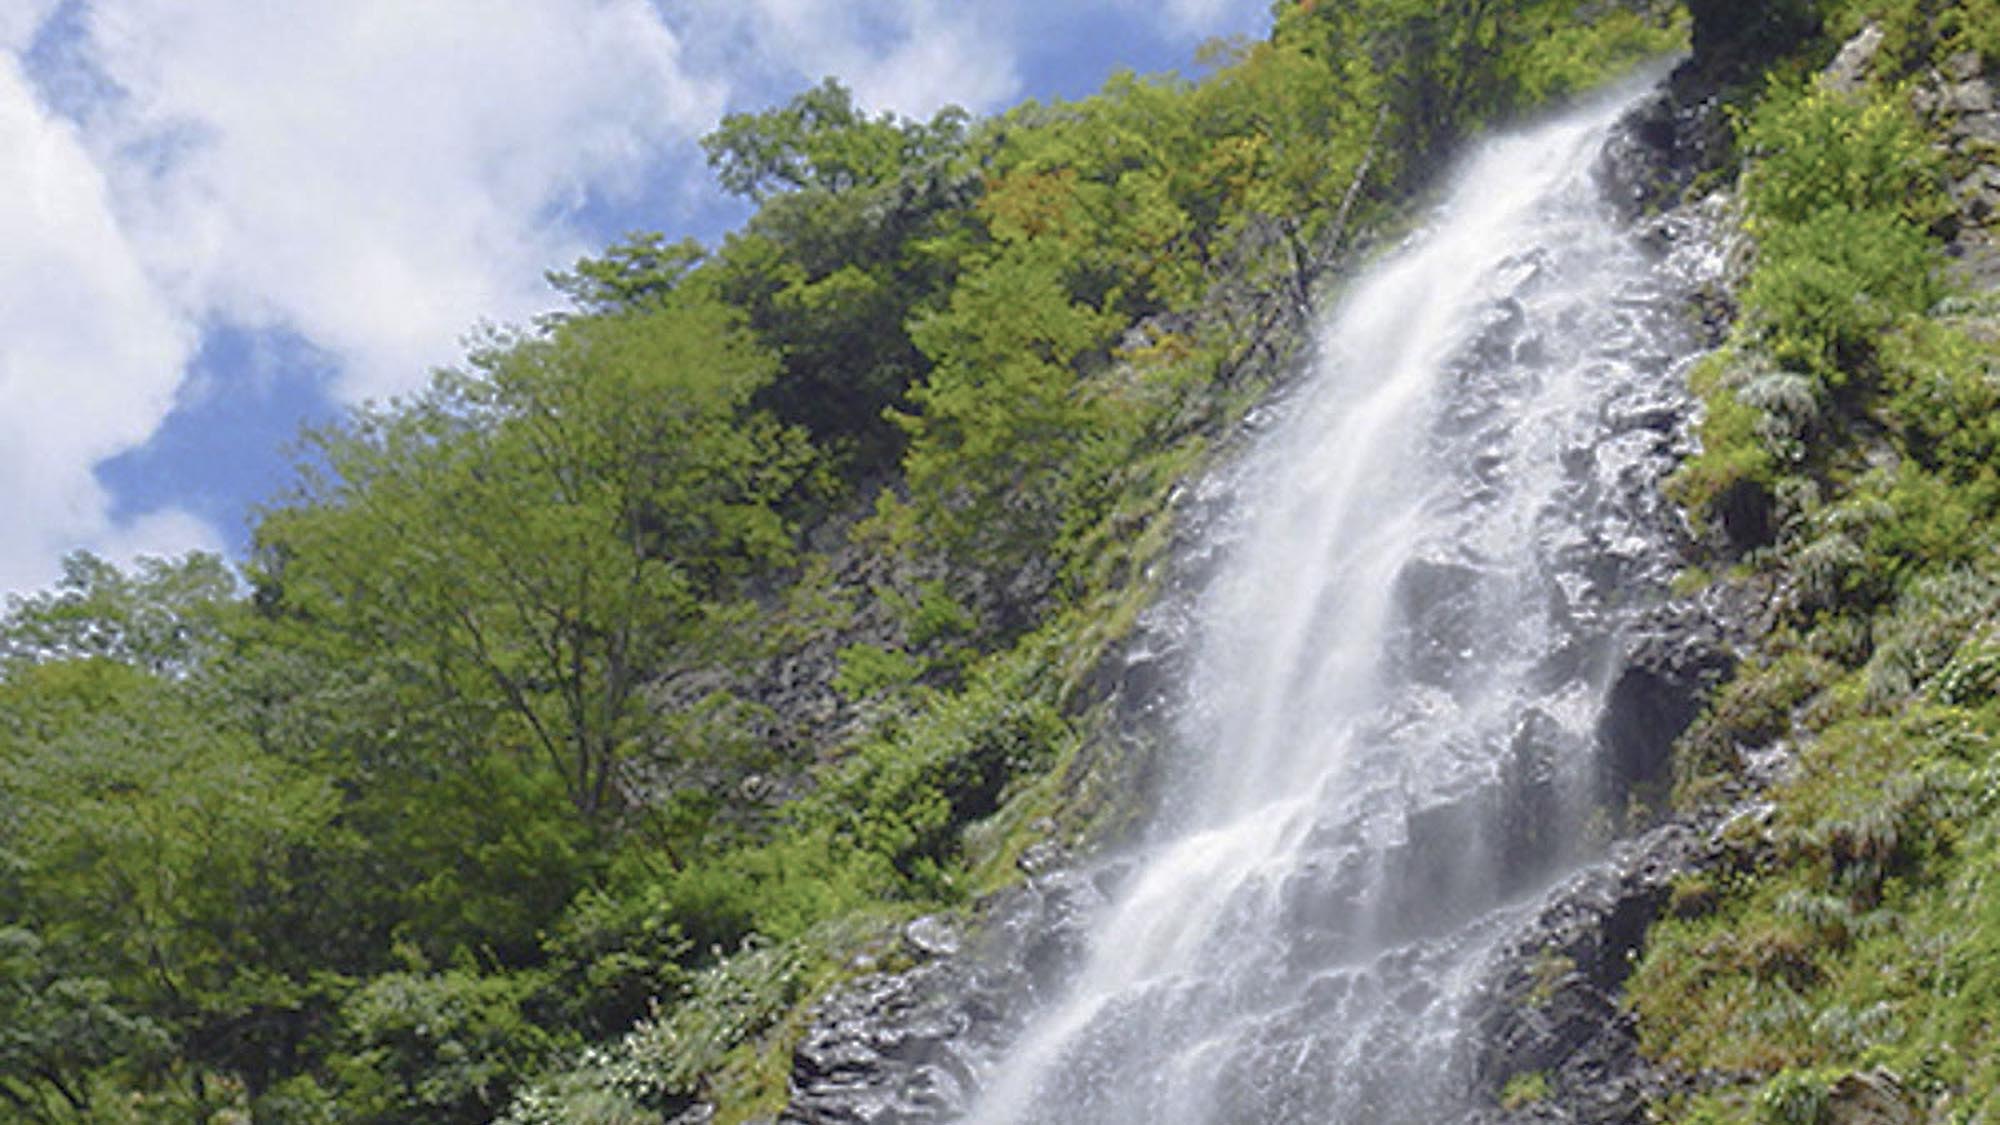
(1731, 37)
(1659, 149)
(1680, 658)
(1959, 99)
(908, 1024)
(903, 1048)
(1551, 1005)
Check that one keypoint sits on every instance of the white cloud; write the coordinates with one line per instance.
(907, 56)
(170, 531)
(21, 19)
(376, 175)
(947, 59)
(372, 177)
(90, 353)
(1197, 18)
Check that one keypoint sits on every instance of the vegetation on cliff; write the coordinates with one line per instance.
(579, 719)
(1844, 952)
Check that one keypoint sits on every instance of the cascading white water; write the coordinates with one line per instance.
(1402, 667)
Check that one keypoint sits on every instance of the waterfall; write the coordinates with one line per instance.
(1404, 656)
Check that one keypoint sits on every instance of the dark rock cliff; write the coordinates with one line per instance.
(1554, 1011)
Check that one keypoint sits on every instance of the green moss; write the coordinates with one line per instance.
(1524, 1090)
(1550, 970)
(1732, 456)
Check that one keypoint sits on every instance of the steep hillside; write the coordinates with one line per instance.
(585, 716)
(1834, 961)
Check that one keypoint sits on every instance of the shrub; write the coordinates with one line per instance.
(1524, 1090)
(437, 1046)
(1972, 679)
(1734, 459)
(1817, 151)
(1789, 409)
(1945, 401)
(1928, 625)
(664, 1062)
(1829, 285)
(1794, 1098)
(869, 670)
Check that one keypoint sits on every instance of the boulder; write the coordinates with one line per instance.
(1848, 71)
(906, 1048)
(1680, 656)
(1874, 1097)
(1656, 152)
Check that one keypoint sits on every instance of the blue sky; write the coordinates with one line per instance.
(227, 218)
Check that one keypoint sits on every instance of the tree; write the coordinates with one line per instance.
(633, 274)
(821, 139)
(853, 237)
(1005, 412)
(58, 1032)
(540, 534)
(163, 867)
(164, 616)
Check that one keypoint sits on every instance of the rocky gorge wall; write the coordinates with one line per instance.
(1560, 1014)
(906, 1045)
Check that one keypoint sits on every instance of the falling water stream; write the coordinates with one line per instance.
(1430, 562)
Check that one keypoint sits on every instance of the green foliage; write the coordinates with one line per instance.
(822, 140)
(665, 1060)
(867, 671)
(1754, 709)
(631, 276)
(1840, 197)
(1524, 1090)
(546, 533)
(1837, 935)
(857, 233)
(1919, 33)
(1794, 1098)
(1817, 149)
(622, 954)
(158, 849)
(1446, 70)
(1567, 57)
(903, 797)
(1944, 401)
(1972, 677)
(932, 614)
(1919, 636)
(1971, 25)
(435, 1046)
(60, 1031)
(1735, 458)
(1004, 415)
(165, 617)
(1830, 286)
